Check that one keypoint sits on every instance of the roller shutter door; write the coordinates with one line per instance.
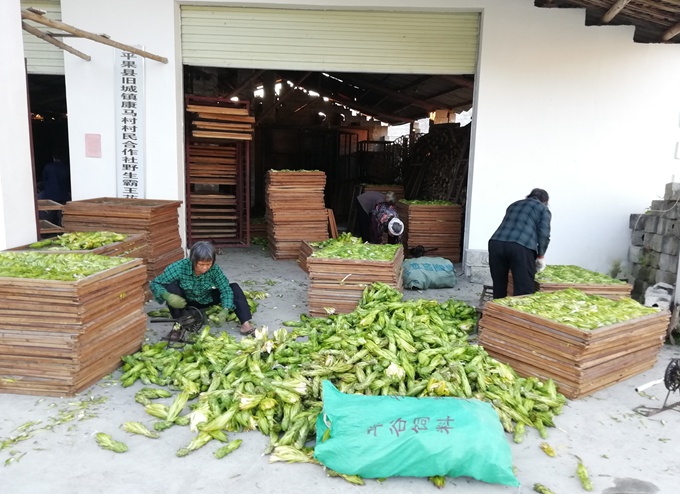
(41, 56)
(330, 40)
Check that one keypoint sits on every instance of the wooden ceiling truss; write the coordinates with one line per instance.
(655, 21)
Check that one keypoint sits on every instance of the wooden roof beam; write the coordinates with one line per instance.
(248, 82)
(671, 33)
(283, 97)
(358, 107)
(395, 94)
(614, 10)
(461, 81)
(336, 96)
(417, 82)
(366, 110)
(41, 19)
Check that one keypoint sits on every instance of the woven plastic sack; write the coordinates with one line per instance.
(389, 436)
(422, 273)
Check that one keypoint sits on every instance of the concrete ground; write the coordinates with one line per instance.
(625, 452)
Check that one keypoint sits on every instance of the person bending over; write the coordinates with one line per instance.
(366, 203)
(519, 244)
(198, 282)
(385, 219)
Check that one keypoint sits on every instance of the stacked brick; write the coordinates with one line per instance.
(655, 242)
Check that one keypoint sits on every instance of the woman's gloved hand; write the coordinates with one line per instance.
(221, 317)
(540, 264)
(174, 301)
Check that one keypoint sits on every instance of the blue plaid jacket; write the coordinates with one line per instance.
(526, 222)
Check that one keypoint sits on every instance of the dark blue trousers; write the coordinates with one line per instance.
(511, 257)
(242, 308)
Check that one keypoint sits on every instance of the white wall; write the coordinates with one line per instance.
(90, 89)
(583, 112)
(17, 193)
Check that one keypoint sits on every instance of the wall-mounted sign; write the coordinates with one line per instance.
(93, 145)
(130, 139)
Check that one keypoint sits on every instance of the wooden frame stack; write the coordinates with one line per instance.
(397, 189)
(59, 337)
(158, 220)
(306, 250)
(433, 226)
(295, 211)
(339, 283)
(579, 361)
(613, 291)
(218, 138)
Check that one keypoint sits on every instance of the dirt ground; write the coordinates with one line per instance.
(625, 452)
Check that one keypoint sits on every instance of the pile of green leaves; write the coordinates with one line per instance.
(63, 267)
(417, 202)
(348, 247)
(343, 238)
(574, 274)
(578, 309)
(79, 241)
(387, 346)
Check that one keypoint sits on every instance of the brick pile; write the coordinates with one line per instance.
(655, 242)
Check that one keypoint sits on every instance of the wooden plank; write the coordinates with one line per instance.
(244, 127)
(339, 283)
(605, 290)
(580, 354)
(578, 334)
(53, 345)
(434, 227)
(579, 361)
(332, 227)
(49, 205)
(225, 118)
(206, 134)
(305, 251)
(221, 110)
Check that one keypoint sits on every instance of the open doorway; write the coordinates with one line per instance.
(49, 137)
(340, 123)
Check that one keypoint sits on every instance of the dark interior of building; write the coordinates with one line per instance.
(336, 123)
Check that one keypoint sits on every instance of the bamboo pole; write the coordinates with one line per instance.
(46, 37)
(32, 16)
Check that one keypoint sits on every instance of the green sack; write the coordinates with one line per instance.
(388, 436)
(422, 273)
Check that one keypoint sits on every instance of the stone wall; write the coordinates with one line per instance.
(655, 239)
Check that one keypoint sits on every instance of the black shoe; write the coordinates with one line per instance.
(176, 333)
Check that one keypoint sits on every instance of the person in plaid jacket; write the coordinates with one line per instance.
(519, 244)
(198, 282)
